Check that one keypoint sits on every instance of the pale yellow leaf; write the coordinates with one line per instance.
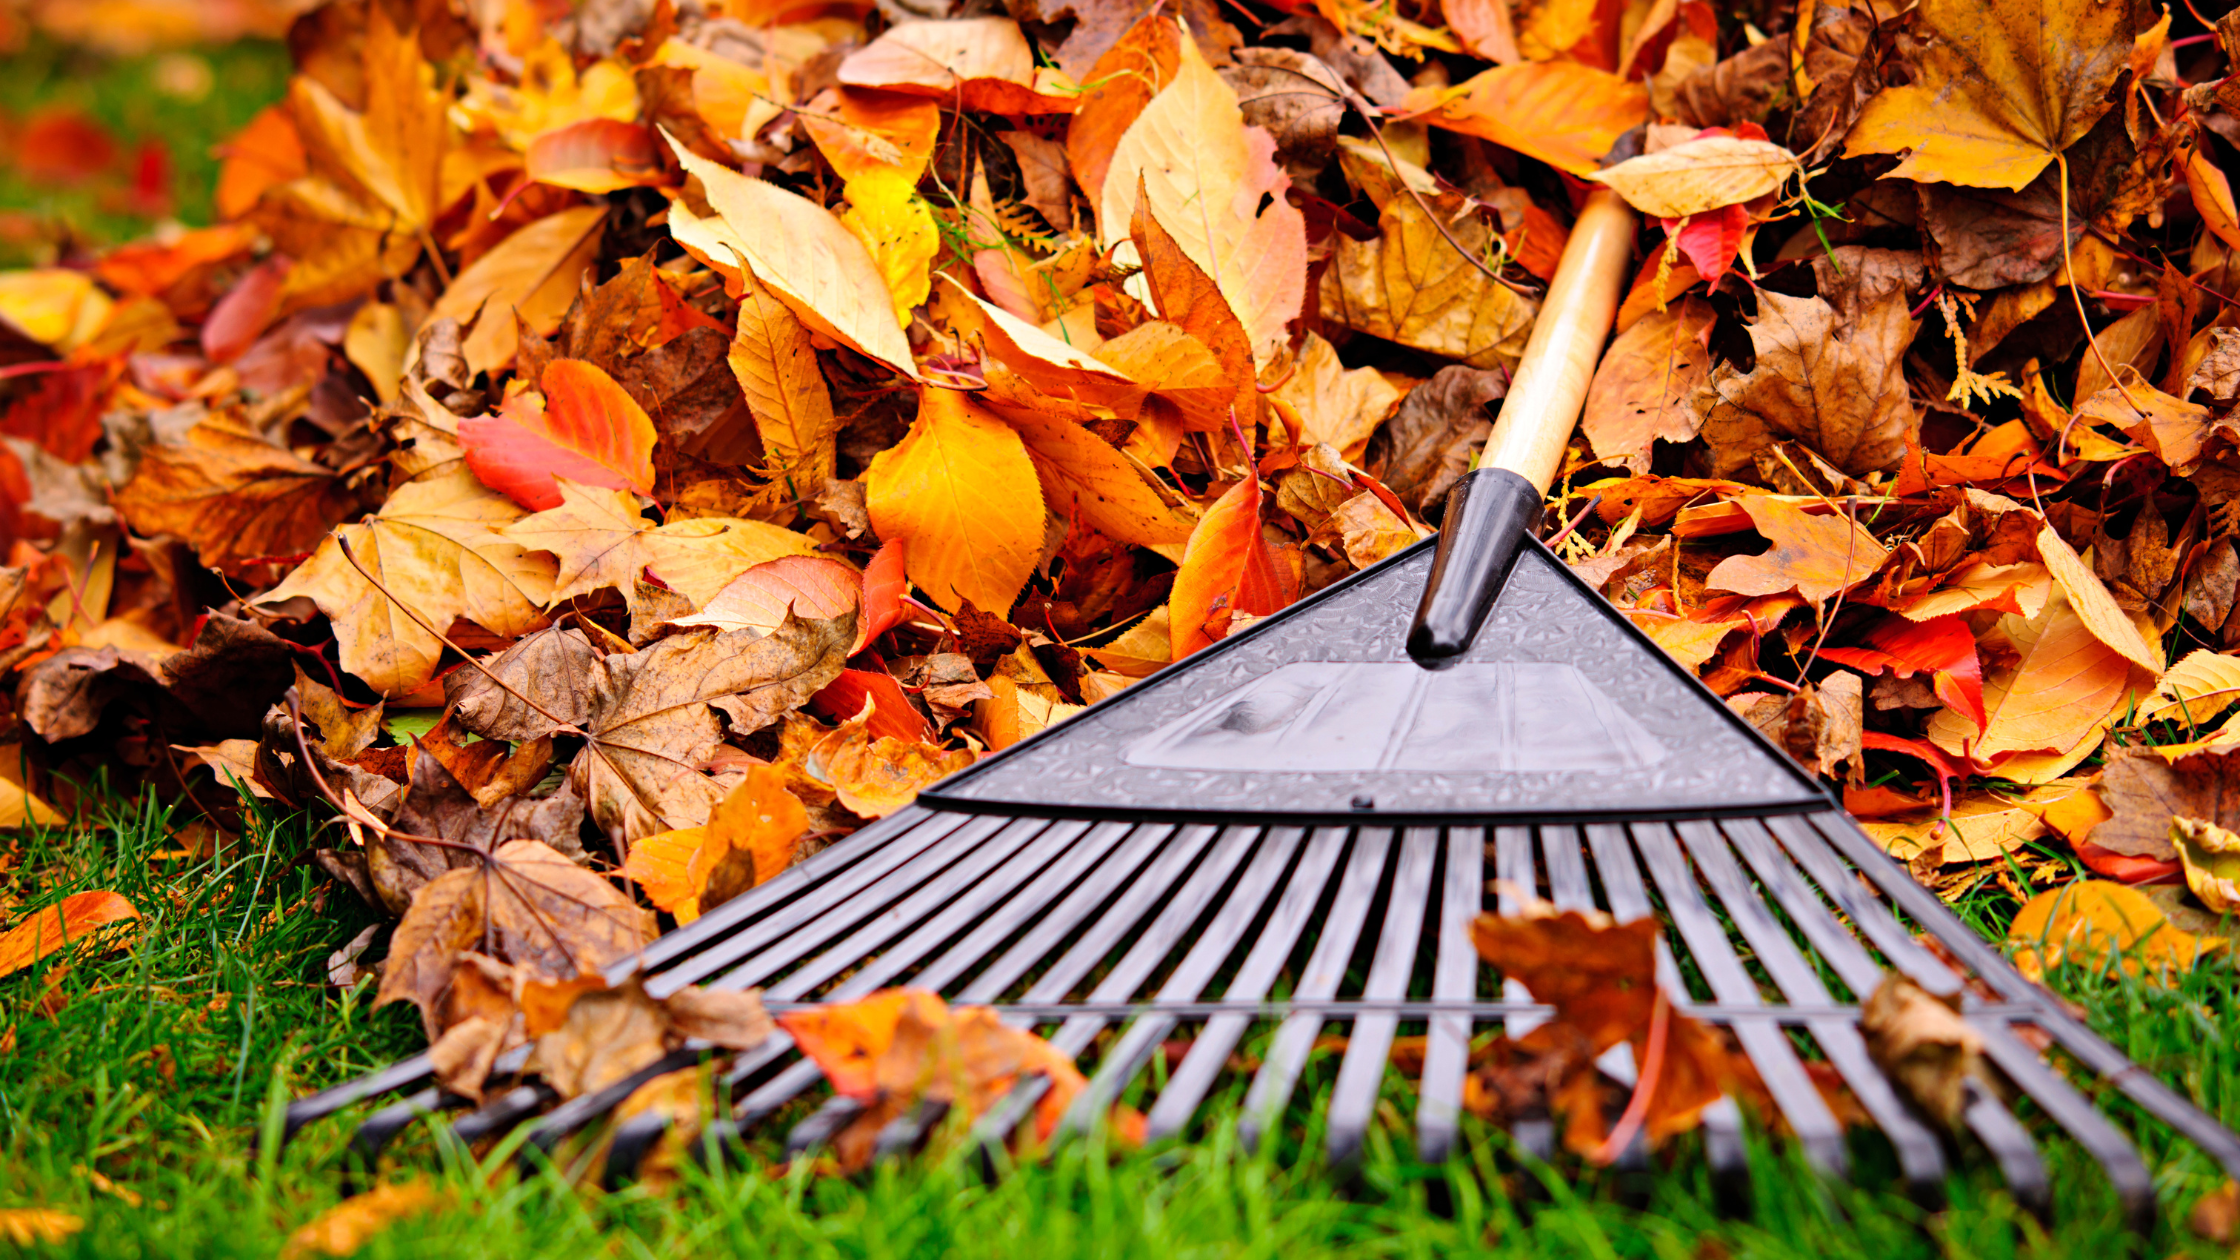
(2094, 604)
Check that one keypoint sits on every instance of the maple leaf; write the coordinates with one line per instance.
(1190, 163)
(602, 540)
(1815, 556)
(583, 427)
(1644, 391)
(231, 494)
(433, 546)
(653, 719)
(962, 494)
(2002, 89)
(1837, 385)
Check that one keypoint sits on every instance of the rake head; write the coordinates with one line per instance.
(1295, 828)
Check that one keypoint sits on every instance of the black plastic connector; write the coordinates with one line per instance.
(1489, 513)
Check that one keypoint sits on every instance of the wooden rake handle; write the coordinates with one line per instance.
(1492, 510)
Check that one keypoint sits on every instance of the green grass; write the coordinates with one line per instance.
(228, 980)
(134, 99)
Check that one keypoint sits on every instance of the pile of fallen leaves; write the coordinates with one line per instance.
(607, 451)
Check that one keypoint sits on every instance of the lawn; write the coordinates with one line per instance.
(158, 1067)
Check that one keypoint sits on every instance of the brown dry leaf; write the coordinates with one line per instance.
(653, 723)
(1819, 725)
(438, 806)
(447, 915)
(601, 539)
(1644, 391)
(1837, 385)
(875, 776)
(1817, 556)
(344, 732)
(529, 691)
(2145, 793)
(1599, 974)
(1436, 433)
(1335, 404)
(1213, 181)
(2003, 86)
(232, 495)
(1411, 286)
(434, 547)
(1920, 1041)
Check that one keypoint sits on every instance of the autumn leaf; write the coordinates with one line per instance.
(2064, 688)
(960, 492)
(778, 374)
(1213, 182)
(1942, 647)
(760, 598)
(602, 540)
(230, 493)
(884, 210)
(750, 836)
(1227, 569)
(1817, 556)
(982, 63)
(2093, 922)
(101, 919)
(1835, 384)
(819, 269)
(2003, 87)
(529, 278)
(2195, 690)
(582, 427)
(1644, 391)
(1563, 113)
(435, 548)
(1700, 175)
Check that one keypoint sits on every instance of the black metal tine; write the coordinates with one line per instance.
(1099, 850)
(403, 1074)
(1151, 947)
(622, 1160)
(876, 916)
(1867, 912)
(1515, 880)
(500, 1114)
(1446, 1056)
(2073, 1111)
(383, 1126)
(1784, 1075)
(1985, 1116)
(1212, 948)
(1173, 852)
(914, 826)
(908, 1131)
(823, 1124)
(862, 890)
(1354, 1098)
(1920, 1157)
(1287, 1054)
(1209, 1053)
(1628, 899)
(2145, 1089)
(573, 1114)
(2011, 1148)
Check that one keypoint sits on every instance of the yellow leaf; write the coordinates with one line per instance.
(55, 307)
(376, 343)
(2092, 602)
(1979, 830)
(2004, 86)
(17, 803)
(601, 539)
(691, 870)
(1146, 647)
(2211, 857)
(1207, 176)
(435, 546)
(1815, 556)
(881, 181)
(961, 489)
(2195, 690)
(1977, 584)
(2064, 687)
(2087, 921)
(808, 257)
(536, 271)
(350, 1224)
(785, 390)
(27, 1227)
(1701, 174)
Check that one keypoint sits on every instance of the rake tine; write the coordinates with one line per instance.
(499, 1115)
(403, 1074)
(907, 1133)
(1628, 899)
(1287, 1055)
(1213, 947)
(379, 1129)
(869, 852)
(823, 1125)
(633, 1140)
(1784, 1076)
(1172, 851)
(1188, 1084)
(2073, 1111)
(1446, 1057)
(2011, 1148)
(573, 1114)
(1354, 1098)
(1919, 1156)
(1534, 1135)
(806, 922)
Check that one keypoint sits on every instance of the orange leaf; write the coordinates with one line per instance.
(810, 586)
(893, 717)
(1226, 569)
(962, 493)
(75, 918)
(266, 153)
(749, 837)
(597, 155)
(584, 428)
(982, 63)
(884, 588)
(1563, 113)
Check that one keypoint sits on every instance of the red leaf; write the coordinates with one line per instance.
(843, 698)
(584, 428)
(1946, 772)
(2125, 868)
(883, 589)
(1710, 240)
(1942, 647)
(1226, 569)
(60, 146)
(246, 310)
